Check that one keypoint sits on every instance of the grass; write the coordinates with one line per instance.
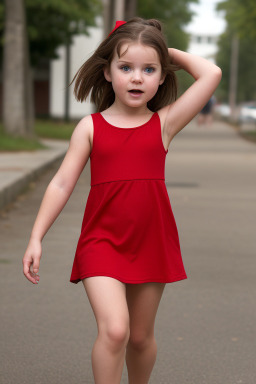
(16, 144)
(249, 135)
(54, 129)
(43, 129)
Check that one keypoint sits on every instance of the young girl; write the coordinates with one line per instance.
(129, 246)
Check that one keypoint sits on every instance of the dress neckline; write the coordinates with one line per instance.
(129, 128)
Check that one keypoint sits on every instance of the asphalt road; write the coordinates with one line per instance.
(205, 326)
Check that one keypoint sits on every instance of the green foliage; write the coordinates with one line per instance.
(51, 23)
(241, 17)
(249, 135)
(223, 61)
(241, 21)
(174, 15)
(54, 129)
(1, 27)
(51, 129)
(15, 144)
(246, 87)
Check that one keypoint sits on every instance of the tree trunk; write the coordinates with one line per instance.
(130, 9)
(18, 111)
(233, 76)
(108, 15)
(119, 10)
(114, 10)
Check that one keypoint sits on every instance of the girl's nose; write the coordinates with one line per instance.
(137, 77)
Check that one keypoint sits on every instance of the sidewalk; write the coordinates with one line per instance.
(205, 327)
(17, 170)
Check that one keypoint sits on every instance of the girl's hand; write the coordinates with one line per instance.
(31, 260)
(57, 194)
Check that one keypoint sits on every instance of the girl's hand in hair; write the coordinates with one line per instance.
(207, 77)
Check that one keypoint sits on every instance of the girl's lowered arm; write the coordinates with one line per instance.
(207, 77)
(57, 195)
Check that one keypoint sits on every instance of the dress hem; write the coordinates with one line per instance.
(130, 281)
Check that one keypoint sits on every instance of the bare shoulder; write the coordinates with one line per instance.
(84, 130)
(85, 125)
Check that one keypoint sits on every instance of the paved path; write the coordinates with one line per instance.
(18, 170)
(206, 324)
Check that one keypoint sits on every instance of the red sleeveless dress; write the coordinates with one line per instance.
(128, 231)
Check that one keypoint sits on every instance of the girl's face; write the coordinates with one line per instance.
(135, 75)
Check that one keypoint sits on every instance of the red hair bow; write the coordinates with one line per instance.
(118, 24)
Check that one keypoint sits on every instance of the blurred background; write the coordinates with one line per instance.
(206, 324)
(43, 43)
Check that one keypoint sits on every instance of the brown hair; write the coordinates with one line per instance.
(90, 77)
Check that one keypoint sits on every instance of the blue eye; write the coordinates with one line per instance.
(149, 70)
(125, 68)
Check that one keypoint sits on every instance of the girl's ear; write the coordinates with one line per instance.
(107, 74)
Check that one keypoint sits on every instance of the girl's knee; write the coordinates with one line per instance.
(141, 341)
(115, 334)
(118, 333)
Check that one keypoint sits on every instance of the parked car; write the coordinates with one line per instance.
(247, 113)
(222, 110)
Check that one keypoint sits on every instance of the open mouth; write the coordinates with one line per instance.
(138, 91)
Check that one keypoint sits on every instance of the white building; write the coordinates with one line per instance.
(203, 44)
(83, 46)
(205, 28)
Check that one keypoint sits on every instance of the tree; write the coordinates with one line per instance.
(174, 15)
(246, 85)
(241, 23)
(17, 105)
(241, 17)
(51, 23)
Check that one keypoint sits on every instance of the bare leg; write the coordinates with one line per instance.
(209, 119)
(200, 119)
(108, 300)
(143, 301)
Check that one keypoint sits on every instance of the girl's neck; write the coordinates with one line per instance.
(125, 111)
(126, 117)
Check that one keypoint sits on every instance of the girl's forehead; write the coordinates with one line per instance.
(135, 50)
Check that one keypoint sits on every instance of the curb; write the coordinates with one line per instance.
(21, 182)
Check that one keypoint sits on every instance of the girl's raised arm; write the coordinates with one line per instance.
(57, 195)
(207, 76)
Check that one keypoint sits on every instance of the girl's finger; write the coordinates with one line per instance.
(35, 277)
(26, 265)
(36, 266)
(32, 277)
